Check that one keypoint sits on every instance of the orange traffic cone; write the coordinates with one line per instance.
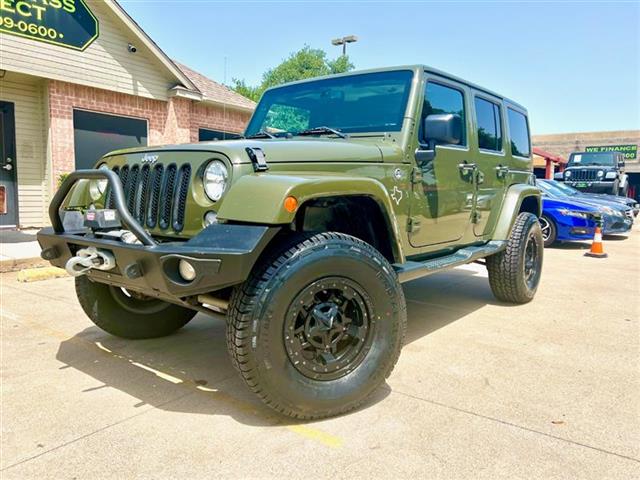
(596, 250)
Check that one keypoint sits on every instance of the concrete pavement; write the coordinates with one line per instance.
(19, 249)
(482, 390)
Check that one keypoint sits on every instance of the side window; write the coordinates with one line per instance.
(440, 99)
(519, 133)
(489, 123)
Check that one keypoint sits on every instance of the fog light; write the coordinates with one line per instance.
(186, 270)
(210, 218)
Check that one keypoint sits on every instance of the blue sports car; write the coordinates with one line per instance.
(566, 219)
(629, 205)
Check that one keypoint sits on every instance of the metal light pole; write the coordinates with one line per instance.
(343, 41)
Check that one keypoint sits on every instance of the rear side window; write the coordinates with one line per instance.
(519, 132)
(441, 99)
(489, 123)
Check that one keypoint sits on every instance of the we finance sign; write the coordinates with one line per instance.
(68, 23)
(630, 151)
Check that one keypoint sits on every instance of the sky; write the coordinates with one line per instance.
(574, 65)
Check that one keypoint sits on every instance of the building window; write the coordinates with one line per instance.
(206, 135)
(95, 134)
(440, 99)
(489, 123)
(519, 133)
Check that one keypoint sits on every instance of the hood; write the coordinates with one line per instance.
(570, 204)
(282, 150)
(605, 203)
(577, 166)
(610, 198)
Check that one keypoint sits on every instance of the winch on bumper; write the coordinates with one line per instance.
(221, 255)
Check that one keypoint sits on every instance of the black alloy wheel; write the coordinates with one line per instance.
(532, 264)
(327, 330)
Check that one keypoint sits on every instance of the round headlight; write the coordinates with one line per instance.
(215, 179)
(600, 174)
(98, 187)
(567, 173)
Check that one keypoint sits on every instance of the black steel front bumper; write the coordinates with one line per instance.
(222, 254)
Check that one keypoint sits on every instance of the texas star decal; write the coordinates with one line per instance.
(396, 195)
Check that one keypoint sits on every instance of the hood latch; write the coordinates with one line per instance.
(256, 155)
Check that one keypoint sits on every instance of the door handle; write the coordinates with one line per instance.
(501, 171)
(467, 167)
(8, 166)
(467, 171)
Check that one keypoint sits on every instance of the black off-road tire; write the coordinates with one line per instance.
(129, 315)
(508, 269)
(260, 321)
(552, 233)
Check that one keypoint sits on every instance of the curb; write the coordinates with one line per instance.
(43, 273)
(15, 264)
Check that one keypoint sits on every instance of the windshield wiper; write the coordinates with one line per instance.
(322, 130)
(262, 134)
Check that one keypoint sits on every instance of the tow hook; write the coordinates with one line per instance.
(88, 258)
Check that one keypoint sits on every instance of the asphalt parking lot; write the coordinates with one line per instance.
(482, 390)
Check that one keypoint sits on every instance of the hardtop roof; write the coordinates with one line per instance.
(414, 68)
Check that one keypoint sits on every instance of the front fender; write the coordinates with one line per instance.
(516, 201)
(259, 198)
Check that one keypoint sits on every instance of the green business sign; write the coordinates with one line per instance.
(630, 151)
(68, 23)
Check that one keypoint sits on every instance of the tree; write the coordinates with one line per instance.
(305, 63)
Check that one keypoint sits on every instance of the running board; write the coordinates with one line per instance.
(412, 270)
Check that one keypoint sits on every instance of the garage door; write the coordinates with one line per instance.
(97, 133)
(206, 135)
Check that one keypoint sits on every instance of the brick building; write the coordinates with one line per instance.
(65, 103)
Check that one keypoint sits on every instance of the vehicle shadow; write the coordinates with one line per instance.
(191, 372)
(569, 246)
(436, 301)
(614, 237)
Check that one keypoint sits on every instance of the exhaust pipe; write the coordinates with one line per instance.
(88, 258)
(214, 303)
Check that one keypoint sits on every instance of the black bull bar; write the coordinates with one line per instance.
(222, 254)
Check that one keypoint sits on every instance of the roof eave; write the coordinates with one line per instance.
(181, 92)
(150, 44)
(218, 103)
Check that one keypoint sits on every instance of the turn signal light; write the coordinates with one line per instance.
(290, 204)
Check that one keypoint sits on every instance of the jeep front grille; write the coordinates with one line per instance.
(583, 174)
(155, 196)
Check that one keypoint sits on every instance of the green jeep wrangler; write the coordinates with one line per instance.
(303, 231)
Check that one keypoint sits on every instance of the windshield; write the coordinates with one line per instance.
(590, 159)
(371, 102)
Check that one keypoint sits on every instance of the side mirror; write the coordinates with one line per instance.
(443, 128)
(621, 163)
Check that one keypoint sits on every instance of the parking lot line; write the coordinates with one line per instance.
(305, 431)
